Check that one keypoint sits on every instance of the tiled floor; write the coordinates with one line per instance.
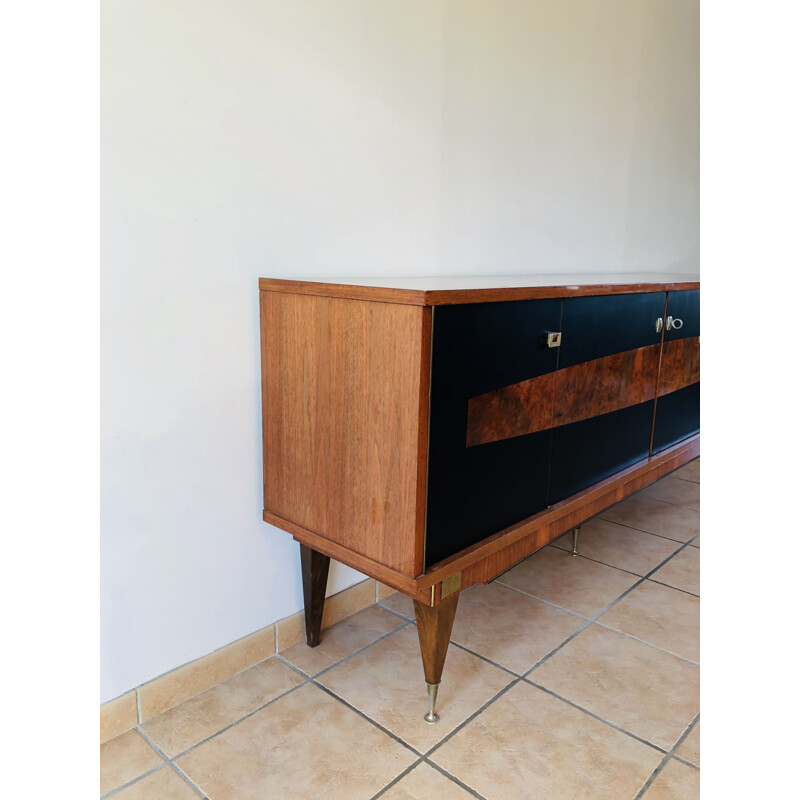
(566, 678)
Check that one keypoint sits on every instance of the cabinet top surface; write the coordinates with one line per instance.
(449, 289)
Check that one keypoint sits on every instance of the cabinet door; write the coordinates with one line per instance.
(678, 403)
(605, 388)
(491, 412)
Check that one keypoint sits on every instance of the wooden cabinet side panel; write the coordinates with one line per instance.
(341, 383)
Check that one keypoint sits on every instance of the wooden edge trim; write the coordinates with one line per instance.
(376, 294)
(423, 431)
(440, 297)
(373, 569)
(613, 489)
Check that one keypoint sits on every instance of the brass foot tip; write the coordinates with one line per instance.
(432, 717)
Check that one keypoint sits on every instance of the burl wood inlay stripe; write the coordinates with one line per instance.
(606, 384)
(568, 395)
(514, 410)
(680, 365)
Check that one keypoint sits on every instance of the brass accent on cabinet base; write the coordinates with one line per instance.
(452, 583)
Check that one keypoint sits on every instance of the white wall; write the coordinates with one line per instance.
(337, 137)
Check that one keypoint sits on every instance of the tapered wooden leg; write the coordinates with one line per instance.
(434, 625)
(315, 580)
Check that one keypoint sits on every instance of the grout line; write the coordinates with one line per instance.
(484, 658)
(396, 613)
(154, 746)
(642, 530)
(360, 650)
(554, 544)
(397, 778)
(666, 758)
(549, 655)
(138, 707)
(188, 780)
(291, 666)
(597, 561)
(595, 716)
(241, 719)
(365, 716)
(202, 691)
(168, 762)
(471, 717)
(455, 780)
(604, 610)
(684, 761)
(649, 644)
(135, 780)
(676, 588)
(542, 600)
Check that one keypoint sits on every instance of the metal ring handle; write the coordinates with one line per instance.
(676, 324)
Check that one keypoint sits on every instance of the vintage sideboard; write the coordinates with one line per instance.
(431, 433)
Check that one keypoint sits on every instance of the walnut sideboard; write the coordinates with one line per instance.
(431, 433)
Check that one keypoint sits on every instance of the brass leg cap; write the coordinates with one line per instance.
(432, 717)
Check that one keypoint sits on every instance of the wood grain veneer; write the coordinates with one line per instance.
(568, 395)
(342, 423)
(606, 384)
(680, 365)
(515, 410)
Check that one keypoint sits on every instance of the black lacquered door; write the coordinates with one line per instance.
(678, 405)
(605, 386)
(490, 419)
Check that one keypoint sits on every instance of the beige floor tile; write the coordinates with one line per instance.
(661, 616)
(185, 725)
(690, 747)
(387, 684)
(510, 628)
(342, 639)
(653, 516)
(382, 590)
(400, 604)
(576, 584)
(124, 758)
(529, 744)
(673, 490)
(292, 629)
(306, 744)
(184, 682)
(643, 690)
(620, 546)
(675, 782)
(682, 572)
(118, 716)
(165, 784)
(690, 472)
(426, 783)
